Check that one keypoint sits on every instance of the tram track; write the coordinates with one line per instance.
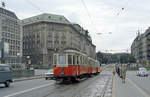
(105, 88)
(75, 88)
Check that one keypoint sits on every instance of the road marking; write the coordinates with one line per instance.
(140, 90)
(28, 90)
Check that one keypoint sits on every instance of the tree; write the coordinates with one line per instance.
(115, 58)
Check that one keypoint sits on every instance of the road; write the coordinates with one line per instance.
(141, 82)
(135, 86)
(92, 87)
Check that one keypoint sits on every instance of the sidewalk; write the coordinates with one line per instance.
(28, 78)
(129, 89)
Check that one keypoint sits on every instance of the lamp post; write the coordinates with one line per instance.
(18, 55)
(28, 62)
(18, 59)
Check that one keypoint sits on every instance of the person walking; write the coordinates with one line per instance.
(118, 69)
(114, 71)
(123, 72)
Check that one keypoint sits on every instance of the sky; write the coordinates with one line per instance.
(123, 18)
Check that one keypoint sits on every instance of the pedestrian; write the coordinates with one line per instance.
(116, 67)
(114, 71)
(118, 70)
(123, 72)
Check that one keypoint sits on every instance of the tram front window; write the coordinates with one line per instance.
(55, 59)
(62, 59)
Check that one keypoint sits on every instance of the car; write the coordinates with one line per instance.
(49, 74)
(142, 72)
(5, 75)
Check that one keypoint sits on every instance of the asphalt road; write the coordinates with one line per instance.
(135, 86)
(48, 88)
(142, 82)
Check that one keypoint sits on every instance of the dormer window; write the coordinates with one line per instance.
(49, 17)
(37, 18)
(60, 18)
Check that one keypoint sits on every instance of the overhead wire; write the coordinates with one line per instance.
(87, 11)
(34, 5)
(90, 17)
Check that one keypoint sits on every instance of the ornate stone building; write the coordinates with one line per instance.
(46, 34)
(140, 48)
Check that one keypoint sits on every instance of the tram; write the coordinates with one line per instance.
(71, 65)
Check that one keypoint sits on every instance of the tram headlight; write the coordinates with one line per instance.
(62, 72)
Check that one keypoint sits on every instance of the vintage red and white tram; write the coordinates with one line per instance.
(71, 65)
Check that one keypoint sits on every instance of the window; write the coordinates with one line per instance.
(62, 59)
(70, 59)
(49, 17)
(81, 60)
(74, 59)
(78, 60)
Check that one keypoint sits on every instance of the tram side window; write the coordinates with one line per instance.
(74, 59)
(78, 60)
(81, 60)
(62, 59)
(84, 61)
(55, 59)
(70, 59)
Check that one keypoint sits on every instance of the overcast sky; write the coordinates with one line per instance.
(98, 16)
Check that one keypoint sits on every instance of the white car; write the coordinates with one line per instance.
(49, 74)
(142, 72)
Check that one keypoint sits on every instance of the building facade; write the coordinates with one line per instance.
(140, 48)
(10, 37)
(46, 34)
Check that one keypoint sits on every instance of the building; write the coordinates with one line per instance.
(140, 48)
(10, 37)
(46, 34)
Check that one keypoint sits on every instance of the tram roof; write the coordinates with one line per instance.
(75, 51)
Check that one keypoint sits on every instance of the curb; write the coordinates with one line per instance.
(30, 78)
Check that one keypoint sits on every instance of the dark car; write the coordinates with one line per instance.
(5, 75)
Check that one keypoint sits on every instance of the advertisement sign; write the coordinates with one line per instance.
(6, 48)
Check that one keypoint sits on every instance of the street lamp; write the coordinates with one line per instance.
(28, 62)
(18, 60)
(18, 55)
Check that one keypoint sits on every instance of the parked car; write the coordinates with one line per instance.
(49, 74)
(142, 72)
(5, 75)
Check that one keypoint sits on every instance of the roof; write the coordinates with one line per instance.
(47, 18)
(8, 13)
(83, 32)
